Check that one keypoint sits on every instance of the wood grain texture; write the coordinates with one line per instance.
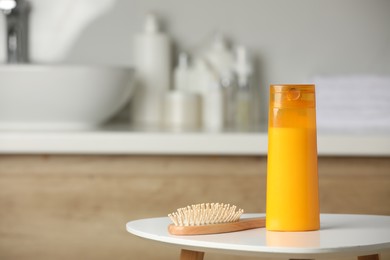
(76, 207)
(369, 257)
(191, 255)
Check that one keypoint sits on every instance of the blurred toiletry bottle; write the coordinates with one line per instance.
(219, 92)
(243, 99)
(292, 174)
(205, 82)
(213, 107)
(182, 73)
(152, 62)
(182, 106)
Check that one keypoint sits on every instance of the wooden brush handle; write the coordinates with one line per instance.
(242, 224)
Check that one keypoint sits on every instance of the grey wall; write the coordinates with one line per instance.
(292, 40)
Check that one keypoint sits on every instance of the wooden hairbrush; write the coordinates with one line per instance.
(210, 218)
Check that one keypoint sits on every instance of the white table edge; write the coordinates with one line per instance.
(287, 252)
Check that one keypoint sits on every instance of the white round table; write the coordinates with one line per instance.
(363, 236)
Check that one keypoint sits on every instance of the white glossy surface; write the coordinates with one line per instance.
(124, 140)
(61, 96)
(342, 235)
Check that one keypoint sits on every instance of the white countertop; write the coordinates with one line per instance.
(126, 141)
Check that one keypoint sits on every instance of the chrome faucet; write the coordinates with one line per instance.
(16, 13)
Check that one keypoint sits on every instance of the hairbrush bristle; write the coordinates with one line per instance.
(205, 214)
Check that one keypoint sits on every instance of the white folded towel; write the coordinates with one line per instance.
(357, 103)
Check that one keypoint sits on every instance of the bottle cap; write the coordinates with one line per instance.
(220, 57)
(292, 96)
(151, 23)
(243, 64)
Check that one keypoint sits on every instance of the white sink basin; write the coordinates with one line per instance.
(61, 97)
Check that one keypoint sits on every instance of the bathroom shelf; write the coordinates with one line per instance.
(126, 141)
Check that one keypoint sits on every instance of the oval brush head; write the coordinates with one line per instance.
(210, 218)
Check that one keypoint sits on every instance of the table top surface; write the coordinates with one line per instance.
(340, 234)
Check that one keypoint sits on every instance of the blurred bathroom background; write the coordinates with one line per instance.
(290, 42)
(68, 194)
(338, 45)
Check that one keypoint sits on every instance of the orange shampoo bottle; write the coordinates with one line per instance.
(292, 175)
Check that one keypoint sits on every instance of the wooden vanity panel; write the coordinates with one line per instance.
(76, 207)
